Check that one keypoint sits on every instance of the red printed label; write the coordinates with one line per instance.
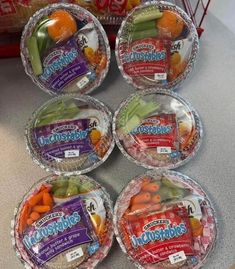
(154, 237)
(159, 131)
(147, 57)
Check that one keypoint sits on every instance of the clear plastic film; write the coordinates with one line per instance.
(70, 133)
(64, 49)
(157, 129)
(157, 45)
(164, 219)
(63, 222)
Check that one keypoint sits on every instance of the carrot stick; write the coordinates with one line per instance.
(138, 207)
(151, 187)
(29, 221)
(156, 199)
(142, 197)
(145, 181)
(23, 217)
(47, 199)
(35, 199)
(34, 216)
(41, 208)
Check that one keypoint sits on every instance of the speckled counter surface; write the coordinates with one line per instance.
(210, 89)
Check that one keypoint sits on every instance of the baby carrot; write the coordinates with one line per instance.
(34, 215)
(156, 199)
(138, 207)
(142, 197)
(47, 199)
(35, 199)
(29, 221)
(23, 217)
(45, 188)
(151, 187)
(145, 181)
(41, 208)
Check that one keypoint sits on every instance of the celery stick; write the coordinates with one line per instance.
(131, 124)
(147, 109)
(143, 26)
(34, 55)
(147, 15)
(143, 34)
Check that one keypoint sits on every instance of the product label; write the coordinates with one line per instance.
(61, 65)
(159, 131)
(177, 257)
(64, 139)
(183, 47)
(156, 236)
(65, 226)
(147, 57)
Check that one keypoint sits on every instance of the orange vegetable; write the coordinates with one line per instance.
(142, 197)
(156, 199)
(95, 136)
(29, 221)
(139, 207)
(47, 199)
(151, 187)
(170, 24)
(61, 26)
(45, 188)
(101, 64)
(34, 216)
(35, 199)
(23, 217)
(41, 208)
(145, 181)
(197, 228)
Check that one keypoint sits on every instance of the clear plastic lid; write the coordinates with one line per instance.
(63, 222)
(157, 45)
(157, 129)
(163, 219)
(65, 49)
(70, 133)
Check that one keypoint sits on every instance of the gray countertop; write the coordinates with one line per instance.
(211, 90)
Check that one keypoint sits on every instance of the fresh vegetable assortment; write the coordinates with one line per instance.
(65, 49)
(157, 128)
(63, 222)
(70, 134)
(157, 45)
(164, 219)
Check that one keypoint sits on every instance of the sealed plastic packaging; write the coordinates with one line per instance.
(163, 219)
(63, 222)
(157, 129)
(157, 45)
(64, 49)
(70, 133)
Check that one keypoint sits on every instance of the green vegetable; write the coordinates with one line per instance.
(143, 26)
(71, 190)
(85, 187)
(34, 55)
(57, 111)
(60, 192)
(143, 34)
(146, 15)
(132, 123)
(147, 109)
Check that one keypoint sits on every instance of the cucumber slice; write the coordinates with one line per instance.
(143, 26)
(144, 34)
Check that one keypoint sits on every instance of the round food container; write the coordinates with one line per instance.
(157, 129)
(65, 49)
(70, 133)
(157, 45)
(163, 219)
(63, 222)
